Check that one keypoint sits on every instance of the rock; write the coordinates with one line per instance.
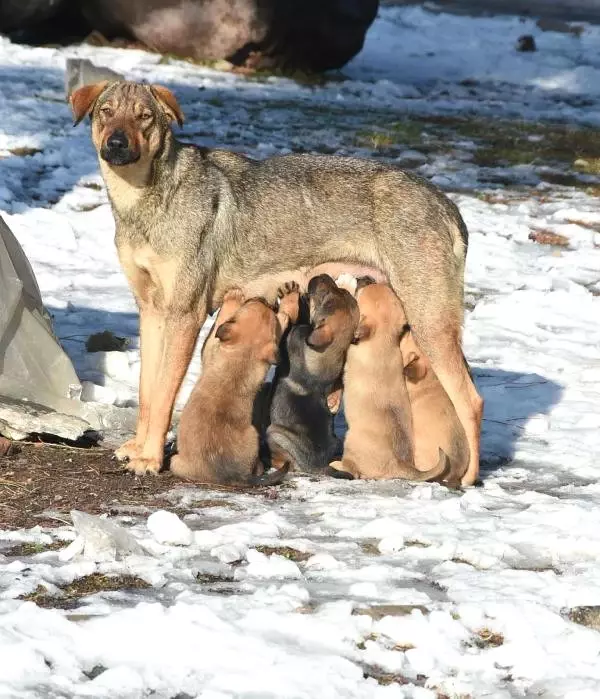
(526, 43)
(306, 35)
(18, 419)
(586, 616)
(80, 72)
(378, 611)
(4, 446)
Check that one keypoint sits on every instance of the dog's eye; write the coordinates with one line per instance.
(106, 111)
(146, 116)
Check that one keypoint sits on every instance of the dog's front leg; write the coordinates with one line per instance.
(179, 333)
(152, 328)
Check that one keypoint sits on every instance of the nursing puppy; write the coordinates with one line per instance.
(305, 387)
(379, 441)
(216, 440)
(435, 422)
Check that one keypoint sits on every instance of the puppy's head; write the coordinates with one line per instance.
(129, 120)
(333, 314)
(382, 316)
(254, 328)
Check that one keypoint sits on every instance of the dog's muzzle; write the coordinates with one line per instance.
(117, 150)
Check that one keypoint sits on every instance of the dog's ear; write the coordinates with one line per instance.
(415, 370)
(362, 332)
(227, 332)
(321, 337)
(82, 101)
(168, 102)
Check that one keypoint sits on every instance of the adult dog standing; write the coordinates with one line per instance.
(193, 222)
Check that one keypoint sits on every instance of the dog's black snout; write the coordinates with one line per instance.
(117, 141)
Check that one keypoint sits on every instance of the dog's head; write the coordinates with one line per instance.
(382, 316)
(129, 120)
(333, 314)
(256, 328)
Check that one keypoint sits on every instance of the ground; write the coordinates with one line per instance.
(322, 588)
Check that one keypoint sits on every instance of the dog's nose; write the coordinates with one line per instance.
(117, 141)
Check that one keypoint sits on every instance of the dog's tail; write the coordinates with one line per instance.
(274, 477)
(436, 473)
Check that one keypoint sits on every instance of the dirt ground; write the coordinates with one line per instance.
(38, 478)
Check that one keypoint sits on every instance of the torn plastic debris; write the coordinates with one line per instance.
(100, 540)
(38, 384)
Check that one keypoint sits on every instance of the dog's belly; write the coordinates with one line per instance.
(266, 285)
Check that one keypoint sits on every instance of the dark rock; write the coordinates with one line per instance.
(526, 43)
(308, 35)
(586, 616)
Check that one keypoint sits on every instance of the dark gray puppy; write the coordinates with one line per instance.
(311, 364)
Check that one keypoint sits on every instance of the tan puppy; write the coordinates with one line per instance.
(435, 422)
(378, 443)
(216, 440)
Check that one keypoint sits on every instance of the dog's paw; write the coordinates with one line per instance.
(288, 288)
(234, 295)
(141, 466)
(130, 450)
(348, 282)
(289, 300)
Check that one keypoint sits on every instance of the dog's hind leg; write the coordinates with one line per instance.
(434, 312)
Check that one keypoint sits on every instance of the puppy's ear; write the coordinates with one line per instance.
(168, 102)
(362, 332)
(415, 369)
(82, 101)
(321, 337)
(226, 333)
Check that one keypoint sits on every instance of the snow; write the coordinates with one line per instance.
(229, 612)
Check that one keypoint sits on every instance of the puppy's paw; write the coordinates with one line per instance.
(141, 466)
(130, 450)
(234, 295)
(289, 300)
(348, 282)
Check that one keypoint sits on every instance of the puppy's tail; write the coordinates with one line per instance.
(274, 477)
(436, 473)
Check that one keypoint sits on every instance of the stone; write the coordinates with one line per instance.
(379, 611)
(18, 419)
(586, 616)
(293, 35)
(80, 72)
(526, 43)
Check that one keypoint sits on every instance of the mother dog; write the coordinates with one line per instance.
(193, 222)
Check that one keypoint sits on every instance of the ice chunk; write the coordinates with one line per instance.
(100, 539)
(167, 528)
